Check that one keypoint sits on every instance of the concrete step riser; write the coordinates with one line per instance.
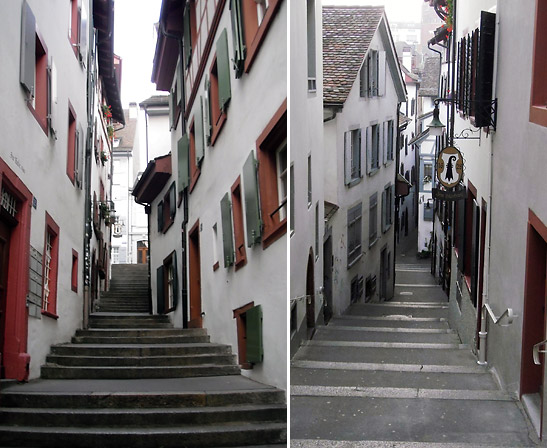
(54, 372)
(129, 361)
(372, 336)
(150, 332)
(391, 323)
(139, 400)
(136, 318)
(135, 419)
(130, 326)
(141, 340)
(181, 350)
(216, 437)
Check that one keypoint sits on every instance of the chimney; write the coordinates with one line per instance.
(133, 110)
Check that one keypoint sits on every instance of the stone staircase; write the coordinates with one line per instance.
(132, 379)
(128, 290)
(394, 374)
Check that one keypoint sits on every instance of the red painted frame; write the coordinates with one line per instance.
(53, 229)
(239, 233)
(538, 95)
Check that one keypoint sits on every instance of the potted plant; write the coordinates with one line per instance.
(105, 210)
(107, 111)
(110, 131)
(104, 157)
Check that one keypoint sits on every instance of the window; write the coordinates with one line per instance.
(77, 30)
(311, 47)
(271, 152)
(50, 268)
(281, 165)
(309, 182)
(216, 263)
(538, 100)
(71, 150)
(252, 206)
(251, 20)
(194, 168)
(356, 288)
(249, 335)
(373, 148)
(167, 209)
(190, 31)
(354, 234)
(237, 214)
(167, 284)
(115, 255)
(227, 240)
(390, 140)
(317, 230)
(373, 219)
(388, 206)
(219, 93)
(370, 287)
(352, 157)
(426, 182)
(372, 76)
(74, 272)
(291, 218)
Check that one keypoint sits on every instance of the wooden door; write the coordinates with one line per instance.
(327, 278)
(196, 320)
(5, 233)
(310, 296)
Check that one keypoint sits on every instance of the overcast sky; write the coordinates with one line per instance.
(135, 37)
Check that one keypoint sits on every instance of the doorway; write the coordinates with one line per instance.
(384, 267)
(327, 279)
(5, 233)
(533, 329)
(310, 296)
(196, 320)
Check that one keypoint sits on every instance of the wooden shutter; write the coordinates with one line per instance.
(183, 152)
(347, 157)
(381, 73)
(475, 234)
(485, 72)
(363, 79)
(160, 216)
(207, 112)
(82, 45)
(360, 153)
(175, 280)
(392, 204)
(238, 35)
(255, 350)
(172, 200)
(52, 98)
(369, 149)
(79, 155)
(187, 37)
(461, 232)
(363, 150)
(172, 107)
(374, 73)
(28, 49)
(252, 206)
(179, 85)
(198, 132)
(384, 210)
(160, 289)
(227, 232)
(223, 69)
(383, 141)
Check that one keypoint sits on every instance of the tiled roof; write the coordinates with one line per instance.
(127, 134)
(429, 85)
(347, 33)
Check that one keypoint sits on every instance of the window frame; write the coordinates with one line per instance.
(72, 142)
(355, 237)
(217, 115)
(50, 268)
(74, 272)
(239, 231)
(538, 94)
(195, 170)
(373, 219)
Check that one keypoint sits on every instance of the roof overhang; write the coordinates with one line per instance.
(402, 186)
(167, 44)
(103, 21)
(392, 59)
(152, 181)
(419, 138)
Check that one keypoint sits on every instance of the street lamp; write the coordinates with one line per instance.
(436, 127)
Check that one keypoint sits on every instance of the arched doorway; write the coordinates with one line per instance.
(310, 296)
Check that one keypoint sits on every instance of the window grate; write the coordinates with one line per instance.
(9, 203)
(47, 272)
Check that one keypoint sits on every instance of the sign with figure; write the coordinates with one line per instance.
(450, 167)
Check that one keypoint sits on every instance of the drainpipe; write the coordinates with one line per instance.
(396, 199)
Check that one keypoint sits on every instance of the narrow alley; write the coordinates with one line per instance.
(393, 374)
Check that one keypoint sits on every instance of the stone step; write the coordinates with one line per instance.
(181, 339)
(392, 322)
(140, 361)
(123, 309)
(141, 399)
(128, 324)
(138, 317)
(107, 332)
(142, 417)
(379, 334)
(140, 349)
(62, 372)
(189, 435)
(389, 309)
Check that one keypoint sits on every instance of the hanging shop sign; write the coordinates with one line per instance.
(452, 195)
(450, 167)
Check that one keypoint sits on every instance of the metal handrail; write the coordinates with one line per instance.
(496, 319)
(536, 351)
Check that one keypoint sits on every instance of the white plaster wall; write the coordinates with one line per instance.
(360, 113)
(306, 138)
(40, 162)
(264, 278)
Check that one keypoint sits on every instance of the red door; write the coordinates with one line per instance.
(5, 233)
(195, 320)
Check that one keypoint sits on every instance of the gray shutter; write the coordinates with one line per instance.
(252, 207)
(160, 282)
(83, 34)
(227, 232)
(207, 112)
(370, 76)
(79, 154)
(461, 233)
(183, 148)
(172, 107)
(187, 38)
(28, 49)
(383, 142)
(223, 70)
(172, 200)
(198, 130)
(179, 81)
(392, 204)
(347, 157)
(381, 73)
(384, 210)
(238, 34)
(360, 162)
(175, 281)
(52, 98)
(363, 79)
(475, 233)
(363, 150)
(253, 321)
(369, 149)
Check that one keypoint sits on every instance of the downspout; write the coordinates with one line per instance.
(397, 199)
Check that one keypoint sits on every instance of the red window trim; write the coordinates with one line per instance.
(51, 227)
(195, 170)
(239, 232)
(71, 145)
(242, 336)
(73, 35)
(41, 95)
(273, 229)
(168, 261)
(218, 116)
(538, 94)
(260, 35)
(193, 24)
(471, 194)
(74, 276)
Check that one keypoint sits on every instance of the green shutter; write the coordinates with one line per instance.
(52, 99)
(28, 49)
(198, 130)
(223, 70)
(227, 240)
(83, 34)
(160, 216)
(183, 152)
(160, 300)
(179, 83)
(79, 155)
(172, 200)
(475, 234)
(187, 42)
(172, 107)
(347, 157)
(255, 350)
(238, 34)
(175, 281)
(252, 207)
(207, 112)
(460, 231)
